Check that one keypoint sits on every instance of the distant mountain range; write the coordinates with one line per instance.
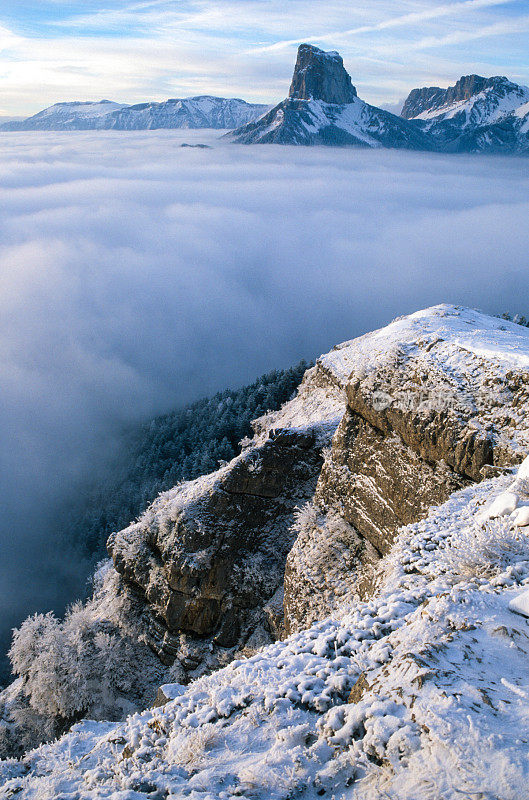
(193, 112)
(475, 115)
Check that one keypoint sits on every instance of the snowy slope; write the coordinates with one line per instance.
(470, 359)
(458, 332)
(193, 112)
(461, 336)
(419, 692)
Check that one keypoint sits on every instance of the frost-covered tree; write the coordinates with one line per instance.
(82, 664)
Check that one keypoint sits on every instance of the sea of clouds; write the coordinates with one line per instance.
(137, 275)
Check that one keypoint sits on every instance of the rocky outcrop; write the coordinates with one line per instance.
(208, 557)
(434, 98)
(432, 403)
(321, 76)
(427, 413)
(382, 429)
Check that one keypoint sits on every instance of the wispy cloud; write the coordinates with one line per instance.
(404, 20)
(517, 26)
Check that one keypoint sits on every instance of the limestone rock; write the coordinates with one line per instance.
(433, 403)
(323, 108)
(321, 76)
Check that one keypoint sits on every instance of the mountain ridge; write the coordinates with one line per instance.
(475, 115)
(200, 111)
(433, 97)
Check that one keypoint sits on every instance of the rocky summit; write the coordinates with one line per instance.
(434, 98)
(321, 76)
(361, 571)
(477, 114)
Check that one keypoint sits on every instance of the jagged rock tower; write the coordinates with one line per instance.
(321, 76)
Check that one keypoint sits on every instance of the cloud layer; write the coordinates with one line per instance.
(137, 275)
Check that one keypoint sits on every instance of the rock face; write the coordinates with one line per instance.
(323, 108)
(432, 403)
(208, 557)
(476, 115)
(434, 98)
(321, 76)
(426, 415)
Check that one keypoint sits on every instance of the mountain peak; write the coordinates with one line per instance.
(320, 75)
(323, 108)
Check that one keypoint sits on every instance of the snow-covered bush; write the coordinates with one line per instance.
(82, 664)
(69, 666)
(483, 550)
(335, 539)
(192, 753)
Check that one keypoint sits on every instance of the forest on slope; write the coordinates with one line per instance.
(174, 447)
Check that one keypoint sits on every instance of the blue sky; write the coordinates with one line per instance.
(153, 49)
